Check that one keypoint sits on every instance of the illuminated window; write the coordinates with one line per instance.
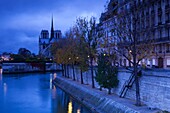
(153, 62)
(168, 62)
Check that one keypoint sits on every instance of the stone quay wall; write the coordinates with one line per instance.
(154, 86)
(92, 100)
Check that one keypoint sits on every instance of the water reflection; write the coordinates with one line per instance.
(70, 107)
(1, 70)
(78, 110)
(51, 79)
(0, 77)
(54, 92)
(31, 93)
(5, 89)
(55, 75)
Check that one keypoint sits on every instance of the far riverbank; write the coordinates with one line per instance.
(29, 67)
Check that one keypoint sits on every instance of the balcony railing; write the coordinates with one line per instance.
(163, 39)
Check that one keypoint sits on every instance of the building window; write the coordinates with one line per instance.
(109, 34)
(147, 11)
(167, 32)
(159, 5)
(168, 62)
(160, 33)
(147, 21)
(167, 17)
(152, 8)
(153, 20)
(167, 48)
(166, 3)
(153, 62)
(159, 13)
(159, 19)
(160, 48)
(153, 34)
(148, 62)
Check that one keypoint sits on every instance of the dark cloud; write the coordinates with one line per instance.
(22, 20)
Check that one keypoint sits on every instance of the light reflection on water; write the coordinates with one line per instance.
(34, 93)
(0, 78)
(70, 107)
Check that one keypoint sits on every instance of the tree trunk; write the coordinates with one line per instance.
(109, 91)
(68, 71)
(138, 102)
(63, 70)
(100, 88)
(74, 78)
(92, 74)
(81, 76)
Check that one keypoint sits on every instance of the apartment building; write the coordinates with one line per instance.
(152, 22)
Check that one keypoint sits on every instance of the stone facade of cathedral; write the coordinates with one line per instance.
(46, 40)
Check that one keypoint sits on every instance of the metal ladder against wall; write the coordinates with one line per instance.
(128, 84)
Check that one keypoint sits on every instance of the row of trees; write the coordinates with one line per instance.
(79, 47)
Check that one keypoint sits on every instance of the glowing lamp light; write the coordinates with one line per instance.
(70, 107)
(78, 111)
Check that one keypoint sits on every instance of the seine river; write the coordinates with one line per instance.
(34, 93)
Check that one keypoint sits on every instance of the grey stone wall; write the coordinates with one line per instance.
(154, 89)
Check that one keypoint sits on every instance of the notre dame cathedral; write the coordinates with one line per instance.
(46, 40)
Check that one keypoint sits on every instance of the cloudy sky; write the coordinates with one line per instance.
(21, 21)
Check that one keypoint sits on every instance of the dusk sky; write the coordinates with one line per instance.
(22, 20)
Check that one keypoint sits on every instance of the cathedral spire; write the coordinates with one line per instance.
(52, 29)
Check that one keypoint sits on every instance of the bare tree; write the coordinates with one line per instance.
(133, 41)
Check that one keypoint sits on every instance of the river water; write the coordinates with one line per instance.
(34, 93)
